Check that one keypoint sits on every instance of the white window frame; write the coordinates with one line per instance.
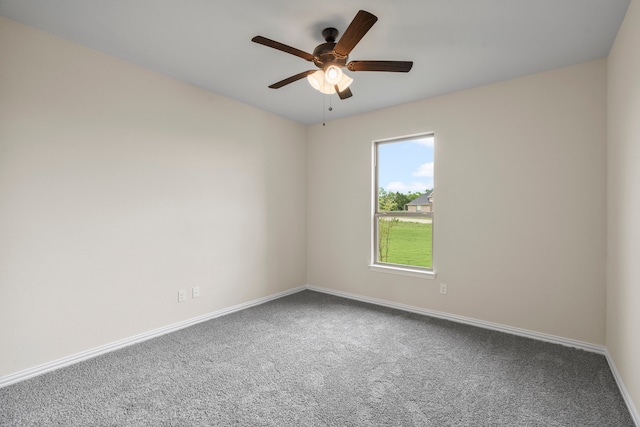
(383, 267)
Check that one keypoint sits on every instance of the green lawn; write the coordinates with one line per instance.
(410, 244)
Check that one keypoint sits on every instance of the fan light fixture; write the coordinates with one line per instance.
(330, 57)
(326, 81)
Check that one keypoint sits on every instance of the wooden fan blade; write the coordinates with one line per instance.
(292, 79)
(283, 47)
(354, 33)
(344, 94)
(392, 66)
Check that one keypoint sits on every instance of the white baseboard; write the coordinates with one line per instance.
(88, 354)
(623, 390)
(468, 320)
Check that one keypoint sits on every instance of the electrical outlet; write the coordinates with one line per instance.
(195, 292)
(443, 289)
(182, 295)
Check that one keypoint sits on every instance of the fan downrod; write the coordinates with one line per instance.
(330, 34)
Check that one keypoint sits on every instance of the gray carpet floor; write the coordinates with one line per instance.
(311, 359)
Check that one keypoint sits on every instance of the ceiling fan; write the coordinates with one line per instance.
(330, 57)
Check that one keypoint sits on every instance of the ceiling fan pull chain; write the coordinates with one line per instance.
(323, 111)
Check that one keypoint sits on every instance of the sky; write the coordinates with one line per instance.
(406, 166)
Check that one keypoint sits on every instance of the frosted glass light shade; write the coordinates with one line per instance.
(316, 80)
(345, 81)
(320, 82)
(333, 75)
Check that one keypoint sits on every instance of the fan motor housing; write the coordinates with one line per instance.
(324, 54)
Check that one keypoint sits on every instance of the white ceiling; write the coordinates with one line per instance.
(454, 44)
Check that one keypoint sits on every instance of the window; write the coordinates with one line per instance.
(403, 205)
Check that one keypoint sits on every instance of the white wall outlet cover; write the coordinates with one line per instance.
(182, 295)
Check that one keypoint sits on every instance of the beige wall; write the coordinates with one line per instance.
(623, 202)
(119, 186)
(502, 147)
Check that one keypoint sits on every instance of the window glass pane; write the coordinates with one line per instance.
(405, 172)
(405, 241)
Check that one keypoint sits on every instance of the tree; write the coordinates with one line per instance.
(386, 203)
(396, 201)
(402, 199)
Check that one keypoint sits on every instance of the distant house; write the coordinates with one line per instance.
(423, 203)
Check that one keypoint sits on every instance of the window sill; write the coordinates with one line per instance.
(403, 271)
